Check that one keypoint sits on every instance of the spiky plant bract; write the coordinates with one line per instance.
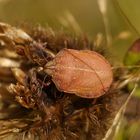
(32, 107)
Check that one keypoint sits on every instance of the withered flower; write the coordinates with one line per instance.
(37, 77)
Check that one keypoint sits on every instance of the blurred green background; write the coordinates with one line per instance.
(87, 15)
(116, 21)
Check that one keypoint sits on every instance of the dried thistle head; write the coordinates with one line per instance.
(45, 112)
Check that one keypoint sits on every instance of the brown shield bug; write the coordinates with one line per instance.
(84, 73)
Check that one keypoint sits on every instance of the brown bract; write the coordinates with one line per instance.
(84, 73)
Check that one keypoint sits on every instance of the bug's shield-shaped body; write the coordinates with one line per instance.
(84, 73)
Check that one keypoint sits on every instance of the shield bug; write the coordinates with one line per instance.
(84, 73)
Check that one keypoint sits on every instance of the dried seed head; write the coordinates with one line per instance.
(12, 34)
(20, 76)
(84, 73)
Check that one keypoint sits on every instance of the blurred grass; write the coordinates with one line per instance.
(128, 131)
(86, 13)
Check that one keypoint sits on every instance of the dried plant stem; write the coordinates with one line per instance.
(103, 9)
(118, 116)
